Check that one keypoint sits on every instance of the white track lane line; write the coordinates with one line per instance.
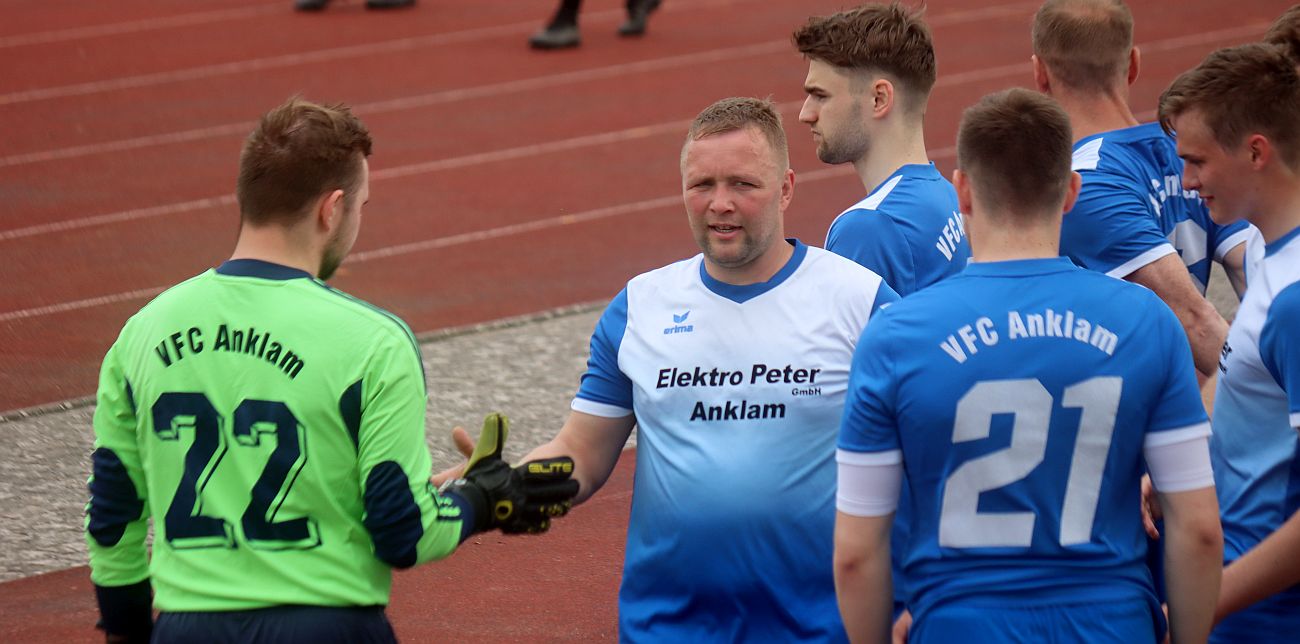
(323, 55)
(495, 89)
(140, 26)
(425, 245)
(555, 146)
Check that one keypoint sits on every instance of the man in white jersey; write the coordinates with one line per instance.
(1243, 156)
(1131, 221)
(733, 364)
(1024, 398)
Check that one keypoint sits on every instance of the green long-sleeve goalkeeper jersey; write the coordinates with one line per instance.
(274, 429)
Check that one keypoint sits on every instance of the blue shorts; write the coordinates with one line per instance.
(1121, 622)
(1274, 619)
(278, 624)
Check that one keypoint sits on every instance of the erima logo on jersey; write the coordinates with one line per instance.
(679, 324)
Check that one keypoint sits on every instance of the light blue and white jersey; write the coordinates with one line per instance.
(1132, 209)
(1021, 396)
(1256, 414)
(737, 392)
(908, 230)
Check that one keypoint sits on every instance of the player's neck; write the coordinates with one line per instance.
(278, 246)
(1092, 113)
(1279, 212)
(994, 242)
(762, 269)
(889, 151)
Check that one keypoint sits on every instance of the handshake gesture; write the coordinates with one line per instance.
(519, 500)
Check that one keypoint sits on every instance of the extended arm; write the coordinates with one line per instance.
(593, 442)
(1205, 328)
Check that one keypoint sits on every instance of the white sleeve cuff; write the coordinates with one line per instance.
(1124, 270)
(1180, 466)
(869, 482)
(1231, 242)
(1183, 434)
(604, 410)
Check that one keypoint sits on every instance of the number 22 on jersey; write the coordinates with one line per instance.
(962, 525)
(187, 526)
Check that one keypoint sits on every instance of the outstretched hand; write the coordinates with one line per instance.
(464, 445)
(516, 500)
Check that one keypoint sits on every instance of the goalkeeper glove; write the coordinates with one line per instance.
(519, 500)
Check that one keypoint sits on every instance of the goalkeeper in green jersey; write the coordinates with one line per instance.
(273, 427)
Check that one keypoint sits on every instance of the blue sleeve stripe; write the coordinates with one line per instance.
(1279, 340)
(604, 381)
(350, 410)
(114, 501)
(392, 515)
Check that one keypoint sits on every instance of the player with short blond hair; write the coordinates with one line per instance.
(1243, 156)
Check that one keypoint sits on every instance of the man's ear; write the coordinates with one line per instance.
(1260, 149)
(1134, 64)
(883, 98)
(1042, 82)
(329, 210)
(961, 183)
(1072, 192)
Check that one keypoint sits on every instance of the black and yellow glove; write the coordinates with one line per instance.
(516, 500)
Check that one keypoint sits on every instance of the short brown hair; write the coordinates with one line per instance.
(738, 113)
(1015, 145)
(1286, 32)
(297, 152)
(1085, 43)
(1238, 91)
(883, 37)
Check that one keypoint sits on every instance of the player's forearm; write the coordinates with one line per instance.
(1193, 566)
(864, 590)
(863, 582)
(1206, 332)
(594, 443)
(1265, 570)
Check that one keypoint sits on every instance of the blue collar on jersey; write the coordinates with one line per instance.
(1278, 243)
(262, 269)
(1017, 267)
(742, 294)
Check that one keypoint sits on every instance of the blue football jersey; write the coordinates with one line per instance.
(1021, 395)
(1256, 414)
(908, 230)
(1132, 209)
(737, 392)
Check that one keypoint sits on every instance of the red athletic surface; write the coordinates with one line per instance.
(505, 181)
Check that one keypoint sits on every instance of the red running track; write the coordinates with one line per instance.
(506, 181)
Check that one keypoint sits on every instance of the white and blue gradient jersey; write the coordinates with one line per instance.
(737, 392)
(1021, 395)
(1257, 412)
(1132, 209)
(908, 230)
